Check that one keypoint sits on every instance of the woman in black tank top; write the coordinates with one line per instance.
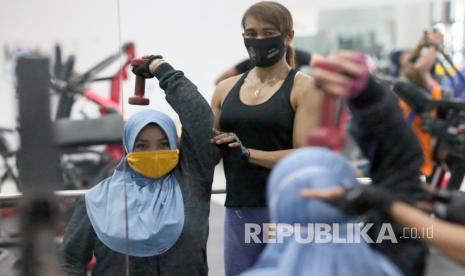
(260, 117)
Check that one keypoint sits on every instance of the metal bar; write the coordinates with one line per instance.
(14, 241)
(67, 194)
(103, 79)
(364, 180)
(61, 194)
(218, 192)
(80, 193)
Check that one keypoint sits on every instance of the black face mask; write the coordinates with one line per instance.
(267, 51)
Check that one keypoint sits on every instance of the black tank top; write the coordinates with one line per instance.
(267, 126)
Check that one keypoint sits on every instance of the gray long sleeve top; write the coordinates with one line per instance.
(194, 173)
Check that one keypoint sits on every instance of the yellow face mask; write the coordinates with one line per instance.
(153, 164)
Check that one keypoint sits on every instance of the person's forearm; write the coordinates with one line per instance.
(386, 140)
(426, 60)
(267, 159)
(184, 98)
(194, 113)
(193, 110)
(416, 52)
(448, 237)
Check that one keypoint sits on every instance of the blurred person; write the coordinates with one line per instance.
(395, 158)
(417, 68)
(315, 168)
(421, 61)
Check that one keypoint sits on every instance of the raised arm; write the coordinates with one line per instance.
(377, 123)
(386, 140)
(426, 59)
(195, 115)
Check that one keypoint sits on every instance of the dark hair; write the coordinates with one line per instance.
(277, 15)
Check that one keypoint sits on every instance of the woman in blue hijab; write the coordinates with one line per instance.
(301, 253)
(154, 208)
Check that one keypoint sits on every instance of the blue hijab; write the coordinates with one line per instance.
(155, 207)
(314, 168)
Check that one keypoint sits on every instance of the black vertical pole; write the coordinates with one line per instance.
(38, 168)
